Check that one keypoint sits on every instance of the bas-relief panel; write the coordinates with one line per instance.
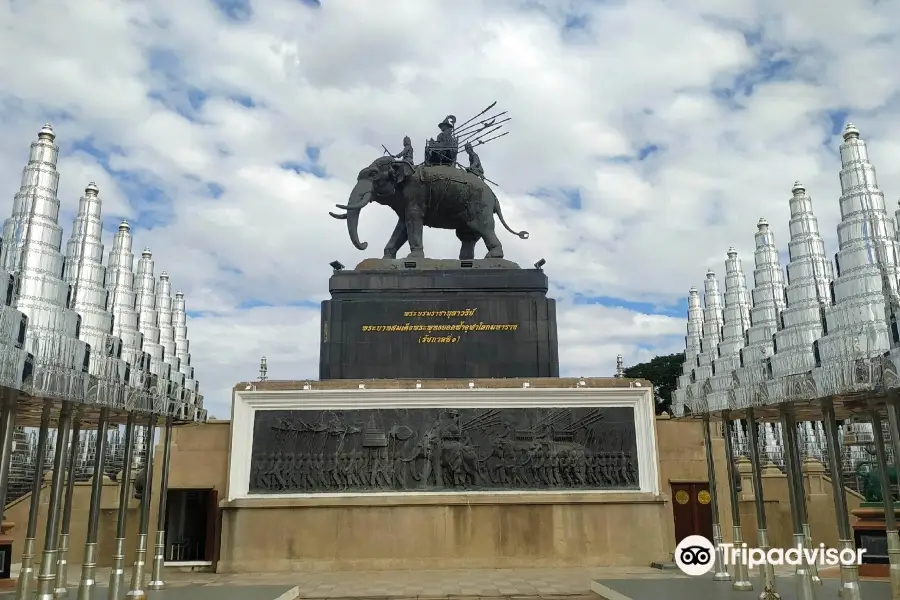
(377, 450)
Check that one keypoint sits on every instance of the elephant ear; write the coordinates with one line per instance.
(400, 171)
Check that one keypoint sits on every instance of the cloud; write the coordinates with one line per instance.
(647, 138)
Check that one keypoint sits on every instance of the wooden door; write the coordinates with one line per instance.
(691, 510)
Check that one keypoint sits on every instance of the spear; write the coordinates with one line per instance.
(478, 115)
(479, 134)
(476, 132)
(482, 141)
(492, 118)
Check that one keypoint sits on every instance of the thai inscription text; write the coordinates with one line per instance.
(446, 331)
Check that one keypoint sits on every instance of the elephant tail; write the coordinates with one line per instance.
(522, 234)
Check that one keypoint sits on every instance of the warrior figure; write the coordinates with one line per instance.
(445, 138)
(474, 162)
(406, 155)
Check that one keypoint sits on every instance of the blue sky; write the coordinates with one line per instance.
(647, 137)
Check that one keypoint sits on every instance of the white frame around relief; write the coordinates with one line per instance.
(246, 402)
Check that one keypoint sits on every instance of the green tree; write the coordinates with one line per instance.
(662, 372)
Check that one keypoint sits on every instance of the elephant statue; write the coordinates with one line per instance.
(442, 197)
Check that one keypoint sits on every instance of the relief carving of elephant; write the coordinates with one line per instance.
(442, 197)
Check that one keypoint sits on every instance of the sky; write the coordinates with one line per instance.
(647, 136)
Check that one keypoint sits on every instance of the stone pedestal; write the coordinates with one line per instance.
(870, 532)
(435, 319)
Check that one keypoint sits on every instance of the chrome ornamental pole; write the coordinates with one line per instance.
(720, 573)
(89, 562)
(24, 587)
(62, 560)
(46, 580)
(7, 432)
(770, 590)
(890, 520)
(117, 573)
(802, 578)
(159, 550)
(849, 589)
(137, 573)
(741, 581)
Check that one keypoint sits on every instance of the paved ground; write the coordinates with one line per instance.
(706, 589)
(511, 584)
(634, 583)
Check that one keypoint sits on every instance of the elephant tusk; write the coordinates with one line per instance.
(343, 217)
(343, 206)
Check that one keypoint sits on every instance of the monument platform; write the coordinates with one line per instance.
(458, 473)
(427, 318)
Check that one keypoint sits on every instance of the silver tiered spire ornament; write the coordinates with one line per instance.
(735, 322)
(148, 323)
(86, 275)
(680, 398)
(808, 294)
(768, 301)
(167, 340)
(709, 341)
(193, 401)
(865, 299)
(30, 250)
(122, 303)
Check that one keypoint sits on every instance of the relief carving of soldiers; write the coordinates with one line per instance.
(455, 453)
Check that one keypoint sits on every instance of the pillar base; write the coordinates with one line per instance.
(802, 579)
(62, 567)
(741, 572)
(813, 567)
(156, 572)
(720, 571)
(25, 584)
(117, 572)
(137, 574)
(767, 571)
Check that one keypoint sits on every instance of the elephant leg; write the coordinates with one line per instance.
(468, 238)
(398, 238)
(487, 233)
(415, 218)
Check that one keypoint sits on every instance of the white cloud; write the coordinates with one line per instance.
(349, 76)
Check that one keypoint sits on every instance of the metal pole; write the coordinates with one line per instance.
(800, 486)
(26, 573)
(156, 577)
(849, 572)
(117, 573)
(7, 432)
(741, 581)
(137, 573)
(46, 576)
(89, 562)
(769, 591)
(805, 590)
(62, 563)
(720, 573)
(890, 521)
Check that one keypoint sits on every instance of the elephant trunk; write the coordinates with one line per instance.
(359, 197)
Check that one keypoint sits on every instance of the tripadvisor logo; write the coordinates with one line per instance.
(695, 555)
